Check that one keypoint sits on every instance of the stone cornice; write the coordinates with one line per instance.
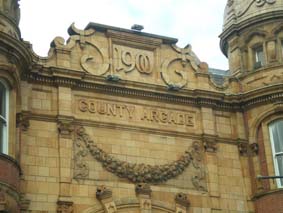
(218, 100)
(90, 123)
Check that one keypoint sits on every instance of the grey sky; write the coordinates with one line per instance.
(197, 22)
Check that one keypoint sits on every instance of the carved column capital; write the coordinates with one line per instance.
(104, 195)
(65, 126)
(182, 202)
(22, 120)
(65, 206)
(209, 143)
(246, 149)
(102, 192)
(243, 149)
(143, 188)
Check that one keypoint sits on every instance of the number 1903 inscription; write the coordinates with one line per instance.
(128, 59)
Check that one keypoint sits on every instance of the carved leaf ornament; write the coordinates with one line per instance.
(138, 173)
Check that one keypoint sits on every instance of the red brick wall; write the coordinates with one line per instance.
(9, 171)
(270, 203)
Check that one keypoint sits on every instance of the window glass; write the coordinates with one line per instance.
(276, 136)
(259, 57)
(2, 100)
(3, 119)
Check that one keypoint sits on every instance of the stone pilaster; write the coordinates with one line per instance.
(143, 192)
(65, 130)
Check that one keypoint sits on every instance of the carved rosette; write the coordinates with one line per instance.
(142, 173)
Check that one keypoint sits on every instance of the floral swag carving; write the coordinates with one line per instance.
(142, 173)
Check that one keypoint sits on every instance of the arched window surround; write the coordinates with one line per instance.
(276, 140)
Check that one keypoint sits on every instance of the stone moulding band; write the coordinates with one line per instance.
(138, 173)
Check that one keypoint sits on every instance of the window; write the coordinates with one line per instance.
(276, 138)
(3, 118)
(258, 57)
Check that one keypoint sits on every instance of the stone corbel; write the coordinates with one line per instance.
(65, 206)
(143, 192)
(253, 148)
(210, 144)
(243, 149)
(246, 149)
(182, 203)
(65, 126)
(104, 195)
(22, 120)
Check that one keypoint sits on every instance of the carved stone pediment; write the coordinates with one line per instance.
(119, 54)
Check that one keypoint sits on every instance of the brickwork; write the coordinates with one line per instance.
(121, 121)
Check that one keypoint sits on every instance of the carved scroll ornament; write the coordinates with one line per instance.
(185, 56)
(258, 3)
(142, 173)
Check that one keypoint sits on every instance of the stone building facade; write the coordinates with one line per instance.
(118, 120)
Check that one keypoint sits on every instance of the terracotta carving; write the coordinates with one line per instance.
(142, 173)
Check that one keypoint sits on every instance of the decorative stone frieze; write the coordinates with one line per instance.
(142, 172)
(65, 207)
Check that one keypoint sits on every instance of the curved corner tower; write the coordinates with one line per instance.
(14, 58)
(252, 39)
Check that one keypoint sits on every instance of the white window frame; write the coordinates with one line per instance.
(275, 155)
(5, 142)
(257, 59)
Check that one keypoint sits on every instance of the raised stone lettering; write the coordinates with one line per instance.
(129, 59)
(128, 111)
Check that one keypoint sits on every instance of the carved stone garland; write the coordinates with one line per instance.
(142, 173)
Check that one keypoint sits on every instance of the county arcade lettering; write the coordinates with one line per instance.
(136, 113)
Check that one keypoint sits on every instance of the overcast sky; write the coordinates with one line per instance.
(195, 22)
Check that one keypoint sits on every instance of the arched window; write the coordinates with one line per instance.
(276, 138)
(3, 117)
